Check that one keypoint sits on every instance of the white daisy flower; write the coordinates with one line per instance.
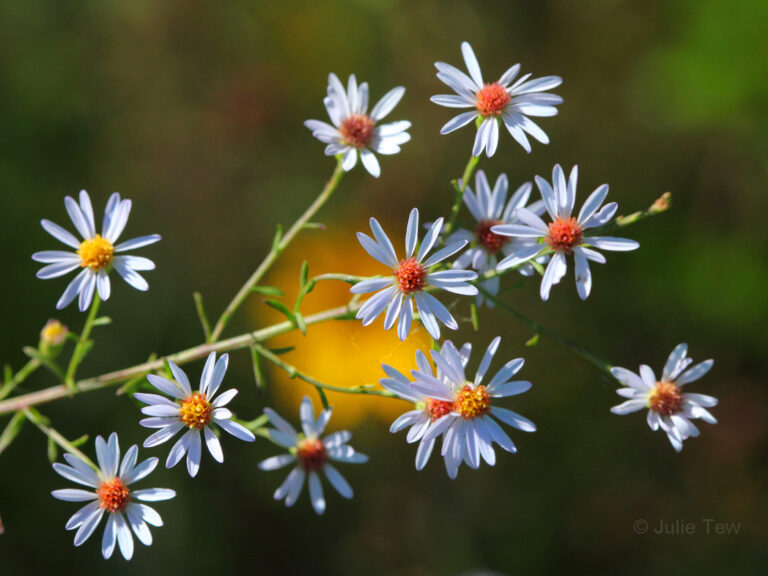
(354, 130)
(311, 454)
(196, 411)
(97, 254)
(110, 494)
(426, 410)
(564, 234)
(502, 101)
(669, 408)
(490, 208)
(468, 427)
(410, 277)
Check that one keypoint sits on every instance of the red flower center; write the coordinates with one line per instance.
(312, 454)
(114, 495)
(487, 239)
(410, 276)
(439, 408)
(492, 99)
(357, 130)
(564, 234)
(666, 399)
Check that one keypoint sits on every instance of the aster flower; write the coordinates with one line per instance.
(503, 100)
(468, 427)
(490, 208)
(669, 408)
(354, 130)
(425, 411)
(198, 412)
(97, 254)
(110, 494)
(311, 455)
(410, 277)
(564, 235)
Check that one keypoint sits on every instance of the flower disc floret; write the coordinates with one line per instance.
(492, 99)
(564, 234)
(439, 408)
(472, 402)
(312, 454)
(96, 253)
(195, 411)
(666, 399)
(113, 495)
(411, 276)
(488, 239)
(357, 130)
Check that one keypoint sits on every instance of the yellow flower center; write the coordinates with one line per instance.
(195, 411)
(472, 402)
(114, 495)
(96, 253)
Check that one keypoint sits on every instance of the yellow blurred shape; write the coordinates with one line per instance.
(342, 353)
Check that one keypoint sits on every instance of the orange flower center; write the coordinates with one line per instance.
(410, 276)
(312, 454)
(357, 130)
(438, 408)
(564, 234)
(666, 399)
(487, 239)
(114, 495)
(96, 253)
(492, 99)
(195, 411)
(472, 402)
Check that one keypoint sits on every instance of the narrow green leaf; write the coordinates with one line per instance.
(281, 351)
(200, 307)
(258, 374)
(282, 308)
(80, 441)
(278, 237)
(302, 326)
(268, 291)
(53, 450)
(475, 319)
(102, 321)
(533, 341)
(304, 274)
(11, 430)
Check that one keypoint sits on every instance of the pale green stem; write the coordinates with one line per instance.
(585, 353)
(19, 377)
(276, 250)
(195, 353)
(34, 417)
(74, 362)
(294, 372)
(460, 187)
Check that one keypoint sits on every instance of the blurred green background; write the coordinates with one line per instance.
(194, 110)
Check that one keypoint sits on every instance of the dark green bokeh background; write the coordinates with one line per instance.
(195, 112)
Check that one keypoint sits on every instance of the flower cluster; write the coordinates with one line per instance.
(461, 414)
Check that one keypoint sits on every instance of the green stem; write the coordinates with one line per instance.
(19, 377)
(195, 353)
(460, 188)
(585, 353)
(277, 249)
(77, 354)
(35, 417)
(294, 372)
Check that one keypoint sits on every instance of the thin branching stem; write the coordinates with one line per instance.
(277, 249)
